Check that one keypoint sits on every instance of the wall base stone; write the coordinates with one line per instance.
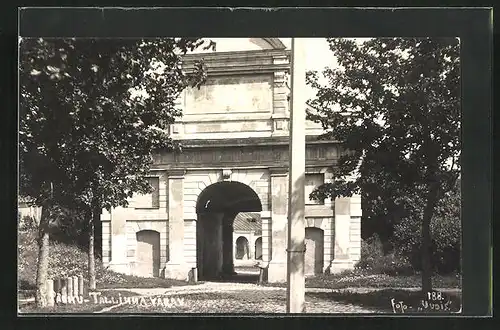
(276, 272)
(338, 266)
(179, 271)
(120, 267)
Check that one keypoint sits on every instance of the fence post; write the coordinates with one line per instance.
(70, 286)
(80, 285)
(195, 274)
(64, 288)
(75, 286)
(50, 292)
(57, 285)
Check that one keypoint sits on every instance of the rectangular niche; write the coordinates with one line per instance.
(151, 200)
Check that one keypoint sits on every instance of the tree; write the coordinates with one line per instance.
(394, 104)
(446, 235)
(93, 111)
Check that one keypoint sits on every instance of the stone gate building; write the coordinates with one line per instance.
(234, 133)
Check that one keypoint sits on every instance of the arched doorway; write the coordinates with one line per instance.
(242, 249)
(258, 248)
(148, 253)
(216, 208)
(314, 255)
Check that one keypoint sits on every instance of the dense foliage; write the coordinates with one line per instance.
(394, 104)
(446, 236)
(92, 113)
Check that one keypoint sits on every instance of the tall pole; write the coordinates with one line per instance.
(296, 194)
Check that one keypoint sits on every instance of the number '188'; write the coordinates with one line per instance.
(434, 295)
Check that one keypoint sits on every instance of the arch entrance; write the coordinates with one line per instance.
(216, 209)
(242, 249)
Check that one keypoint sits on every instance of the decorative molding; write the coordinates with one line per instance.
(244, 56)
(225, 69)
(281, 59)
(276, 43)
(226, 174)
(317, 170)
(283, 116)
(244, 155)
(278, 171)
(254, 141)
(176, 173)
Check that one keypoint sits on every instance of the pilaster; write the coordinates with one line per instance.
(341, 258)
(118, 262)
(176, 267)
(279, 207)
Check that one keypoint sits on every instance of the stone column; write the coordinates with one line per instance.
(341, 260)
(279, 207)
(176, 267)
(251, 247)
(118, 262)
(50, 293)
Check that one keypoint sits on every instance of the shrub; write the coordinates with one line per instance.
(445, 244)
(27, 223)
(371, 250)
(70, 227)
(445, 234)
(375, 261)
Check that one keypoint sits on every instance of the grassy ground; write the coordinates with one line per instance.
(275, 301)
(362, 279)
(68, 260)
(381, 299)
(88, 305)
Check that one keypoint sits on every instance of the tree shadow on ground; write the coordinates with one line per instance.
(381, 299)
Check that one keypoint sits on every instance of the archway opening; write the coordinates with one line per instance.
(217, 207)
(242, 249)
(258, 248)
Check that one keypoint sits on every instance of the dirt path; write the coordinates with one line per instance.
(219, 297)
(225, 287)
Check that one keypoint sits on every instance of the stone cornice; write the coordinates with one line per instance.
(247, 155)
(235, 55)
(260, 61)
(258, 141)
(244, 69)
(275, 42)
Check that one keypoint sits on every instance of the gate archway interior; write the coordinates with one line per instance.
(216, 208)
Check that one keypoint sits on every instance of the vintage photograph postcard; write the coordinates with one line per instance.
(228, 175)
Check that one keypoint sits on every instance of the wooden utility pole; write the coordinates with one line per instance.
(296, 194)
